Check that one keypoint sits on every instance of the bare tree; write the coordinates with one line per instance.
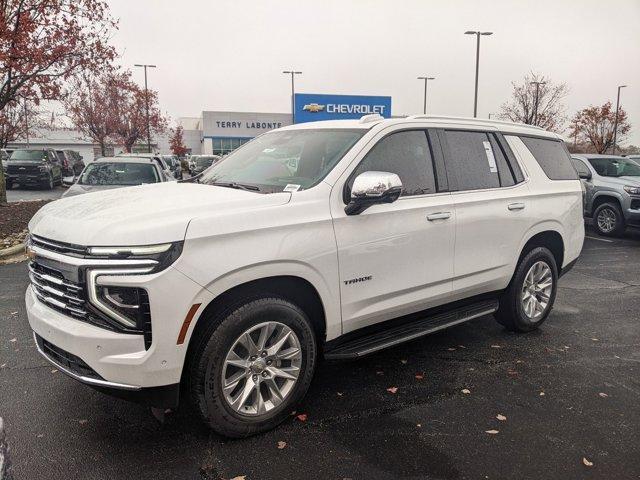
(537, 100)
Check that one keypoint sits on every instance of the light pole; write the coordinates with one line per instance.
(477, 34)
(615, 123)
(426, 80)
(293, 73)
(146, 97)
(535, 114)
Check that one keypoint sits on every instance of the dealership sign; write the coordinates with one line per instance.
(241, 124)
(314, 107)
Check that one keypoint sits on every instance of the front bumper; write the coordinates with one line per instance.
(117, 362)
(28, 179)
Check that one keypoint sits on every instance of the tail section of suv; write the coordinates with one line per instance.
(334, 238)
(612, 191)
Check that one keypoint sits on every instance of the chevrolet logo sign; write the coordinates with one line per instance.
(313, 107)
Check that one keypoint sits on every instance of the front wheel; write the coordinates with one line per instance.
(529, 298)
(608, 220)
(252, 367)
(49, 183)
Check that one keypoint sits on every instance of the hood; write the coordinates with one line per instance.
(141, 215)
(632, 181)
(77, 189)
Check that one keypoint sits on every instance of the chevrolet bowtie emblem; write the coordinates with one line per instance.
(313, 107)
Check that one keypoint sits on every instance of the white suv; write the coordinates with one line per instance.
(331, 239)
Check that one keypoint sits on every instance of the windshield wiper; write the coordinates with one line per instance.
(238, 186)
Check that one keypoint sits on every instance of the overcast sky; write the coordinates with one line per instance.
(229, 54)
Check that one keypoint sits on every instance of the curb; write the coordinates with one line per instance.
(7, 252)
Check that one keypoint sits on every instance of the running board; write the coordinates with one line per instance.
(365, 345)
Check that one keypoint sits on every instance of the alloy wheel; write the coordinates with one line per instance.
(536, 290)
(261, 368)
(607, 220)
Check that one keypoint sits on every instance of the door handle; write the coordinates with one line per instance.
(516, 206)
(438, 216)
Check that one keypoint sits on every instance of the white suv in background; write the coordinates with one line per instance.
(230, 288)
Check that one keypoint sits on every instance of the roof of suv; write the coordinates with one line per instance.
(369, 121)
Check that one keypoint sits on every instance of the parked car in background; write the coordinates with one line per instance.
(156, 158)
(612, 191)
(230, 288)
(34, 167)
(174, 165)
(70, 162)
(199, 163)
(115, 172)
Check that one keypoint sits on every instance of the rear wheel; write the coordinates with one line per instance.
(608, 220)
(251, 367)
(529, 298)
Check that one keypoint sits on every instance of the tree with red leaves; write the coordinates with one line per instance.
(176, 142)
(44, 42)
(17, 120)
(130, 111)
(595, 126)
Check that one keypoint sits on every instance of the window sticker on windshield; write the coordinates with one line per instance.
(291, 187)
(493, 168)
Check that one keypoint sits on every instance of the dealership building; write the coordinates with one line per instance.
(222, 132)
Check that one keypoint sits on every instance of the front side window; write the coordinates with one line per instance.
(295, 158)
(580, 167)
(407, 154)
(615, 167)
(473, 160)
(552, 156)
(119, 173)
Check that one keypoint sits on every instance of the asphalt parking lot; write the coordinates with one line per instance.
(570, 394)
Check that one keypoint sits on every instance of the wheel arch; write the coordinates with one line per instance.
(604, 197)
(546, 235)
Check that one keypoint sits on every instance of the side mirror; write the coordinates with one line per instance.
(584, 175)
(370, 188)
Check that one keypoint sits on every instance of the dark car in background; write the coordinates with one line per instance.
(199, 163)
(34, 167)
(612, 191)
(70, 162)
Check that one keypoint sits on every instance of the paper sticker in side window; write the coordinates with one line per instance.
(493, 168)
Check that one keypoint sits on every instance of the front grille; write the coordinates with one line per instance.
(23, 169)
(53, 289)
(66, 360)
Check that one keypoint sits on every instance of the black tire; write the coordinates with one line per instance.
(49, 184)
(609, 209)
(207, 359)
(511, 313)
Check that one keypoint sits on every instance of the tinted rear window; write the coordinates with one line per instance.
(552, 156)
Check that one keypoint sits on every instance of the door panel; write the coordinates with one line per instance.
(393, 260)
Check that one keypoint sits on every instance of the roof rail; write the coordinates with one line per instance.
(373, 117)
(470, 119)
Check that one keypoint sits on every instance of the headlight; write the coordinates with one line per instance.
(632, 190)
(162, 255)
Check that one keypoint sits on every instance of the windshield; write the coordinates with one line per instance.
(295, 158)
(119, 173)
(615, 167)
(29, 155)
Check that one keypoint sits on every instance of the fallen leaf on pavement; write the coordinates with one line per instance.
(40, 435)
(461, 346)
(240, 477)
(496, 346)
(587, 462)
(419, 376)
(501, 417)
(281, 445)
(466, 391)
(392, 389)
(511, 371)
(594, 339)
(13, 340)
(492, 432)
(419, 425)
(379, 372)
(83, 421)
(542, 394)
(603, 395)
(403, 361)
(339, 394)
(302, 417)
(54, 370)
(3, 365)
(451, 349)
(13, 313)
